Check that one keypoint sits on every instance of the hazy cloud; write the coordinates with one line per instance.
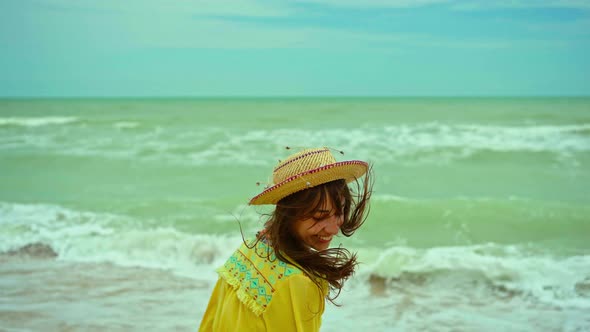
(250, 8)
(456, 4)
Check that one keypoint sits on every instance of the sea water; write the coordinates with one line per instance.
(114, 213)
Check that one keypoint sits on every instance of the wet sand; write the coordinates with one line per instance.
(40, 294)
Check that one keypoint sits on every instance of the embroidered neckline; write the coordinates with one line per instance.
(253, 273)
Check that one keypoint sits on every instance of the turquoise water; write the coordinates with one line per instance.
(494, 191)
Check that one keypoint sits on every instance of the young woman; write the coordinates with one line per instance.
(280, 280)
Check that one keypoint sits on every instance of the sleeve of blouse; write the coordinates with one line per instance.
(297, 306)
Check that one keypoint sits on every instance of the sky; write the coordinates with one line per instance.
(190, 48)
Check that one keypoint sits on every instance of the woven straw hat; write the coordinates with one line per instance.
(305, 169)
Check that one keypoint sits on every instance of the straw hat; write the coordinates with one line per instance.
(305, 169)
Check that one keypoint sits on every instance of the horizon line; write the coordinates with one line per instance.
(290, 96)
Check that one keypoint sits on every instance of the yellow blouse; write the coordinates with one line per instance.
(258, 292)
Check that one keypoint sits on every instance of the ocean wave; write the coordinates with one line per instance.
(36, 121)
(126, 125)
(391, 198)
(404, 143)
(429, 142)
(82, 236)
(502, 271)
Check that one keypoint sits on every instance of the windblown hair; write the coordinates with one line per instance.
(334, 265)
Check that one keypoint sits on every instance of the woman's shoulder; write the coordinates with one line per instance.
(255, 272)
(260, 259)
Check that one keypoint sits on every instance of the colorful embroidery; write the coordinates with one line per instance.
(253, 273)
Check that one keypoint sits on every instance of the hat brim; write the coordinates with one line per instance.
(344, 170)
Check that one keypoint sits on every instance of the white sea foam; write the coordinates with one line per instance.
(430, 142)
(498, 269)
(126, 125)
(390, 198)
(469, 288)
(466, 288)
(36, 121)
(96, 237)
(404, 143)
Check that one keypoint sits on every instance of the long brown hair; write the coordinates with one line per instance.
(333, 265)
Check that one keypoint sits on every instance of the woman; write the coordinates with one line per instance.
(280, 280)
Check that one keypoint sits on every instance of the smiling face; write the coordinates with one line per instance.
(318, 230)
(309, 219)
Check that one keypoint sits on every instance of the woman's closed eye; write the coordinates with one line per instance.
(322, 215)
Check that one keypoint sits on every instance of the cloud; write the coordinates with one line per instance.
(249, 8)
(67, 26)
(580, 27)
(455, 4)
(490, 44)
(521, 4)
(219, 33)
(375, 3)
(224, 34)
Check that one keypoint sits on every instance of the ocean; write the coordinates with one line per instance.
(114, 213)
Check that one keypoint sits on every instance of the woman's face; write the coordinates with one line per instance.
(317, 231)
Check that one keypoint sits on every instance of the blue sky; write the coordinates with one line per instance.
(294, 48)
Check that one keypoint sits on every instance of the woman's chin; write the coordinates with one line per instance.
(321, 246)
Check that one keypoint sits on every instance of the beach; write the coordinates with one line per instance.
(115, 213)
